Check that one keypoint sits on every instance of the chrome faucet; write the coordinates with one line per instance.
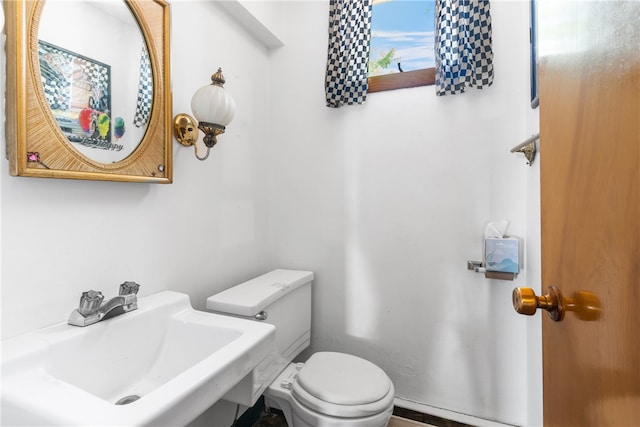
(91, 309)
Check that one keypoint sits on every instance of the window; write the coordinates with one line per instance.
(402, 44)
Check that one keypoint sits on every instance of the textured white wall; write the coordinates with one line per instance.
(386, 202)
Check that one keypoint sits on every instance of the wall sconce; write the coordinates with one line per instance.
(213, 109)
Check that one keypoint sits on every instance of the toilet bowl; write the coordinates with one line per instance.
(330, 389)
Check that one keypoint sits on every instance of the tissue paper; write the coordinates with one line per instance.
(500, 252)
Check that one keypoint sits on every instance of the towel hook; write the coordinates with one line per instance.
(528, 148)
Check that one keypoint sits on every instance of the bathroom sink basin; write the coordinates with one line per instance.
(162, 364)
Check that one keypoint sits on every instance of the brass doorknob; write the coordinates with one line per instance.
(526, 302)
(586, 305)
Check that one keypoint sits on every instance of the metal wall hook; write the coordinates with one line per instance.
(528, 148)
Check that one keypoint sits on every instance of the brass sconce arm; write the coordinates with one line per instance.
(185, 130)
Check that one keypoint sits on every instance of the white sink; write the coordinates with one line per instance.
(179, 361)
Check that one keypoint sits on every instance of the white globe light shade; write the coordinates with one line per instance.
(212, 104)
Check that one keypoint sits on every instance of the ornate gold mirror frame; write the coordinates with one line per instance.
(37, 147)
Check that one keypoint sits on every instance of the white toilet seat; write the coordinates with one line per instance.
(342, 385)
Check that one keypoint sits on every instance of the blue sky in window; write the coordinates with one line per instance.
(407, 26)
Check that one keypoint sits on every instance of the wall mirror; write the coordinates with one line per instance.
(88, 90)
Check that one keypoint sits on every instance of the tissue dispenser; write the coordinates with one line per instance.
(501, 254)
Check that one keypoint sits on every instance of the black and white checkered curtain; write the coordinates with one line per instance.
(348, 56)
(464, 57)
(145, 90)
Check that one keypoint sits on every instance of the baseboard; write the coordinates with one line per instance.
(421, 417)
(439, 417)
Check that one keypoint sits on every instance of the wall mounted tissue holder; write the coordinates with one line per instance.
(501, 253)
(479, 267)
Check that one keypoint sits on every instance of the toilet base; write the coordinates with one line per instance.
(304, 418)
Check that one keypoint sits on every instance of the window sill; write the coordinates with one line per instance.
(404, 80)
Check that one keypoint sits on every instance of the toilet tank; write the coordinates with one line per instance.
(281, 298)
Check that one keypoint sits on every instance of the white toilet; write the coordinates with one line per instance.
(329, 389)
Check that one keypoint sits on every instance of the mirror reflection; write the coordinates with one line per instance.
(96, 76)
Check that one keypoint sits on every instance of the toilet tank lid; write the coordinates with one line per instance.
(253, 296)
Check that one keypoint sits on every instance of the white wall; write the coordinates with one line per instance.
(198, 235)
(385, 202)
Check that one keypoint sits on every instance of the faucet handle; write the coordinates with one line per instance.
(127, 288)
(90, 302)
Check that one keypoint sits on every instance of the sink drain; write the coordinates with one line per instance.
(128, 399)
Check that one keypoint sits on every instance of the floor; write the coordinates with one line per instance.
(260, 416)
(277, 420)
(271, 420)
(403, 422)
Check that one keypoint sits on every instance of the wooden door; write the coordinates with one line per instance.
(590, 202)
